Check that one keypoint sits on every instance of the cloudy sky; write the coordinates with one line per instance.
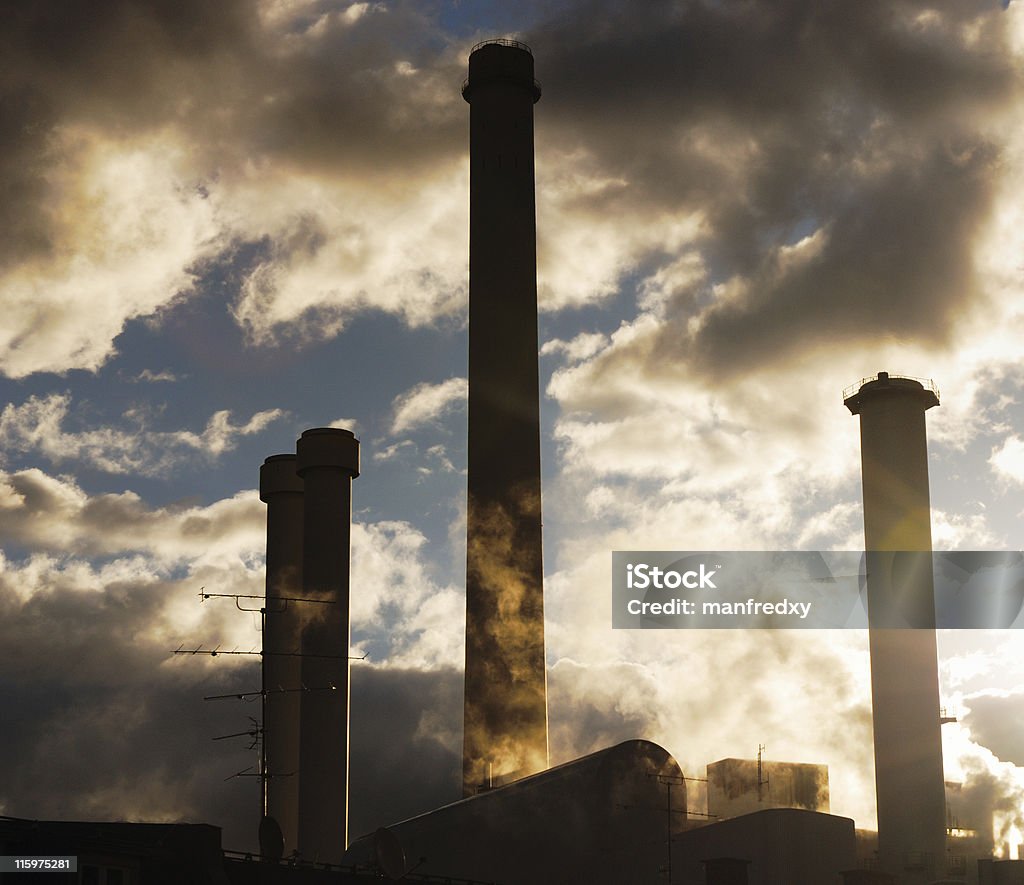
(226, 222)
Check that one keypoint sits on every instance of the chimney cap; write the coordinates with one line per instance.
(277, 474)
(501, 60)
(501, 41)
(887, 384)
(331, 447)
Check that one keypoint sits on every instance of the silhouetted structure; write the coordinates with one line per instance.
(109, 852)
(327, 462)
(506, 692)
(741, 786)
(281, 491)
(1000, 872)
(603, 818)
(726, 871)
(904, 671)
(781, 846)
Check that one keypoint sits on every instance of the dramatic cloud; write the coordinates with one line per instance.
(808, 191)
(38, 425)
(838, 193)
(53, 514)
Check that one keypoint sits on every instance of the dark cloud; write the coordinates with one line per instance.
(100, 722)
(118, 65)
(317, 86)
(378, 96)
(406, 744)
(24, 121)
(868, 121)
(122, 62)
(226, 82)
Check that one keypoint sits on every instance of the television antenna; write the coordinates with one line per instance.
(277, 605)
(760, 782)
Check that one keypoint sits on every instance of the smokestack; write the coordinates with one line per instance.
(327, 462)
(506, 683)
(909, 789)
(281, 491)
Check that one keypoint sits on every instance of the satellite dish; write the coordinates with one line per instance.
(388, 851)
(271, 839)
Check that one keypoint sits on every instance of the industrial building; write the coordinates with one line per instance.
(742, 786)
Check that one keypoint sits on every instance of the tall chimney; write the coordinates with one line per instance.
(506, 732)
(909, 787)
(327, 462)
(281, 491)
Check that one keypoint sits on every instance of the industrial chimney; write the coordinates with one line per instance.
(327, 462)
(506, 684)
(909, 786)
(281, 491)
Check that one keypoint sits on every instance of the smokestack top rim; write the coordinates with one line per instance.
(885, 384)
(336, 431)
(512, 64)
(278, 474)
(501, 41)
(273, 459)
(330, 448)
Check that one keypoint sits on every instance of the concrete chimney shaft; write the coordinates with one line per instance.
(281, 491)
(909, 785)
(327, 462)
(506, 689)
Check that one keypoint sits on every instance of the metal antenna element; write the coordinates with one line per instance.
(285, 599)
(213, 652)
(255, 732)
(760, 782)
(263, 692)
(669, 781)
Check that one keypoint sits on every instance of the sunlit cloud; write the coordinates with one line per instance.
(1007, 460)
(427, 403)
(38, 426)
(128, 223)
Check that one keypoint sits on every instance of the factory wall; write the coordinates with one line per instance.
(785, 846)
